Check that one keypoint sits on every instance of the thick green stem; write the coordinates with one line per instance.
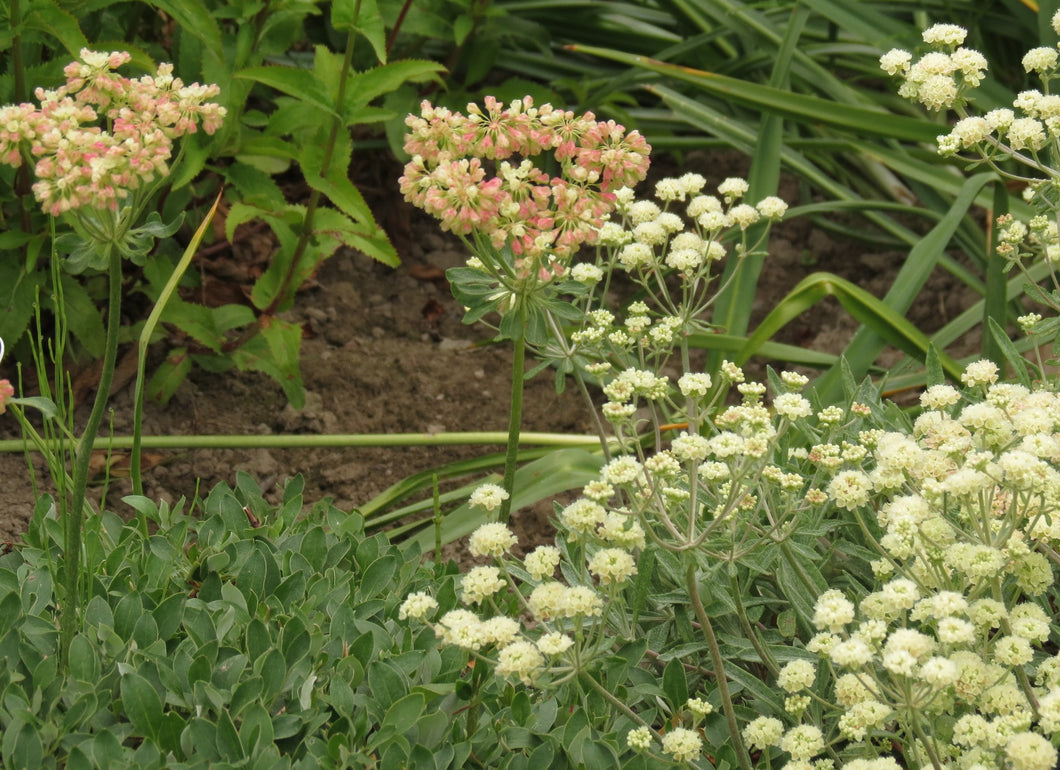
(76, 510)
(515, 419)
(718, 663)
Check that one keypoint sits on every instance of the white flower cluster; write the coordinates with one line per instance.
(942, 78)
(651, 236)
(970, 503)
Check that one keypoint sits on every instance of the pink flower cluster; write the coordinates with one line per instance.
(476, 173)
(6, 392)
(79, 163)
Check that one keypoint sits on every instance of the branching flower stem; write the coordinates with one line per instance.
(719, 669)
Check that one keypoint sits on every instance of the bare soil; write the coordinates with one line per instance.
(386, 352)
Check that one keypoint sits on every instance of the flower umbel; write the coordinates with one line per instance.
(102, 135)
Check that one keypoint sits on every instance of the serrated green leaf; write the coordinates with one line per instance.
(46, 16)
(299, 83)
(195, 18)
(169, 376)
(366, 86)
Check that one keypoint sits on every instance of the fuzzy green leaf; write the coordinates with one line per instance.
(143, 706)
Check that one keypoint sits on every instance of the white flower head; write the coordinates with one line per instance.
(945, 35)
(493, 539)
(416, 606)
(488, 496)
(682, 744)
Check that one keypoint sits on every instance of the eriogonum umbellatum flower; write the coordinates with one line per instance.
(101, 135)
(476, 173)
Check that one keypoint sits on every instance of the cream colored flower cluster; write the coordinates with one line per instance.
(942, 78)
(966, 505)
(556, 615)
(650, 237)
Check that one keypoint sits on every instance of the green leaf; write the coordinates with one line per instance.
(142, 705)
(812, 110)
(21, 746)
(385, 79)
(195, 18)
(362, 16)
(403, 714)
(169, 375)
(675, 685)
(1008, 350)
(18, 292)
(376, 577)
(46, 16)
(875, 314)
(299, 83)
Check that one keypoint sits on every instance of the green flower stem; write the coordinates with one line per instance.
(718, 663)
(335, 440)
(75, 513)
(610, 698)
(741, 612)
(515, 417)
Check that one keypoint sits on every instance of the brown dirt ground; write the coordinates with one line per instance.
(387, 353)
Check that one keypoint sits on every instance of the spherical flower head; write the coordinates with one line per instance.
(554, 643)
(493, 539)
(480, 583)
(542, 561)
(581, 601)
(699, 707)
(1040, 60)
(792, 406)
(982, 372)
(896, 62)
(622, 470)
(833, 611)
(763, 733)
(850, 489)
(939, 397)
(733, 188)
(590, 275)
(520, 660)
(803, 742)
(1026, 134)
(1030, 751)
(612, 565)
(416, 606)
(6, 391)
(582, 517)
(639, 739)
(461, 628)
(488, 496)
(694, 384)
(772, 208)
(670, 189)
(691, 447)
(500, 630)
(796, 675)
(937, 92)
(1013, 651)
(945, 35)
(744, 215)
(682, 744)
